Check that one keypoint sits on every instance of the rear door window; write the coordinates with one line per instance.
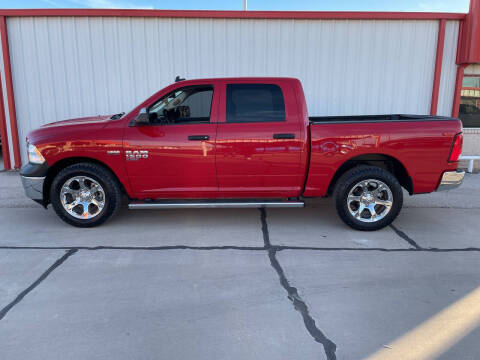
(254, 103)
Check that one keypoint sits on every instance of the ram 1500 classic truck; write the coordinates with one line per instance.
(238, 142)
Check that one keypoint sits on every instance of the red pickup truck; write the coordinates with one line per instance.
(238, 142)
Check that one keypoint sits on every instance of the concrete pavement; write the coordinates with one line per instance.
(231, 284)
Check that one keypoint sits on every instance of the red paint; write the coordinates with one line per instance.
(334, 144)
(469, 46)
(228, 14)
(10, 96)
(88, 138)
(3, 132)
(176, 167)
(243, 159)
(458, 90)
(460, 70)
(250, 163)
(438, 67)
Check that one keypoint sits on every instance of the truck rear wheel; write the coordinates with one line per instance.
(85, 194)
(368, 198)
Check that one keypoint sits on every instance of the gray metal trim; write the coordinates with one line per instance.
(33, 187)
(451, 180)
(201, 205)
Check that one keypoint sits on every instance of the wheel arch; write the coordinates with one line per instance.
(386, 162)
(62, 164)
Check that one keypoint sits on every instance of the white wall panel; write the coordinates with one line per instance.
(449, 69)
(71, 67)
(7, 111)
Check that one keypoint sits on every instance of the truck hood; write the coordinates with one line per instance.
(100, 120)
(68, 129)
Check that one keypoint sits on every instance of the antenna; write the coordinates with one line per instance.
(244, 5)
(178, 78)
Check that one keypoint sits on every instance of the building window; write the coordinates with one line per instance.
(469, 111)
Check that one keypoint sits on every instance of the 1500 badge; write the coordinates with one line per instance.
(136, 154)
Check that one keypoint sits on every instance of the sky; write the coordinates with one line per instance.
(314, 5)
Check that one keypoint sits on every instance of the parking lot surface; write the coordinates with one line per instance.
(236, 284)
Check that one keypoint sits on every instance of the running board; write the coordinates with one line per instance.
(213, 204)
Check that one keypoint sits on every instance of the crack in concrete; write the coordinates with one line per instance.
(440, 250)
(241, 248)
(42, 277)
(298, 303)
(406, 238)
(145, 248)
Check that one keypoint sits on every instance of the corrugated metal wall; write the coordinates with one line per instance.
(70, 67)
(7, 111)
(449, 69)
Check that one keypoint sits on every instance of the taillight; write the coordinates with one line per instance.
(456, 147)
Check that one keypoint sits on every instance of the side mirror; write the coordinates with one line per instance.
(142, 117)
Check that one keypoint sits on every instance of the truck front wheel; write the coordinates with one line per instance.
(85, 194)
(368, 198)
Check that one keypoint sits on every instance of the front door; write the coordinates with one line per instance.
(173, 156)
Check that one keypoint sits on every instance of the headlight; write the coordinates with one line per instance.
(34, 155)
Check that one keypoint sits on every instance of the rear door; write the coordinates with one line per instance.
(259, 140)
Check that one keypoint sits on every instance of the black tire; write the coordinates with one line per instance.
(110, 185)
(350, 179)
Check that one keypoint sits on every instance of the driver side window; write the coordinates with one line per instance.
(188, 105)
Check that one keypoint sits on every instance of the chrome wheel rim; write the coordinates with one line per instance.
(82, 197)
(370, 200)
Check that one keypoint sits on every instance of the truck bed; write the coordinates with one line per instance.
(420, 143)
